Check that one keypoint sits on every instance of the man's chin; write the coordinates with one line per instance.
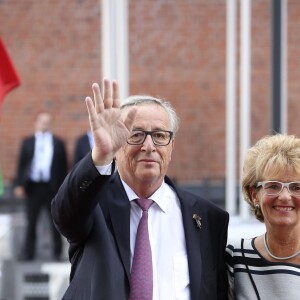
(149, 175)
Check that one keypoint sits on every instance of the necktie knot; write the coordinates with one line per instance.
(144, 204)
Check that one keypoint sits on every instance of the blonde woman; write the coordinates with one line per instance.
(268, 266)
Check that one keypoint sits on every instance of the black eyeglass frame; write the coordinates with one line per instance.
(283, 185)
(146, 132)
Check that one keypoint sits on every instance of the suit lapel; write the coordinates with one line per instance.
(119, 209)
(25, 166)
(193, 238)
(194, 245)
(31, 147)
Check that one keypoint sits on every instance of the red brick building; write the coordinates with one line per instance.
(177, 51)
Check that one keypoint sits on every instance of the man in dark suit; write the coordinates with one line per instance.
(97, 210)
(83, 145)
(41, 169)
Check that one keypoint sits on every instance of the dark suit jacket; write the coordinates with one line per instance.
(82, 147)
(93, 212)
(58, 166)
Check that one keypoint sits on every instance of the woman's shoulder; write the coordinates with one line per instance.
(235, 247)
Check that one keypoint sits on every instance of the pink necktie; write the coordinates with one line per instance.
(141, 278)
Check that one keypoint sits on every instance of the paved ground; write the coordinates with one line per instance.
(12, 229)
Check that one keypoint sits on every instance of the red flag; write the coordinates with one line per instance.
(9, 78)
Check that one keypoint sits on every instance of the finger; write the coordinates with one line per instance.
(107, 97)
(116, 95)
(98, 101)
(91, 111)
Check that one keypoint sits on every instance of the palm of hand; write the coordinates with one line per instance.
(109, 130)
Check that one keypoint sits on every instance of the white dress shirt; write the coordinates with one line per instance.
(42, 158)
(170, 266)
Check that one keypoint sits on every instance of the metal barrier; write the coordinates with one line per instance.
(33, 280)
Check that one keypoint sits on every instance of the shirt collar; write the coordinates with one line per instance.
(39, 134)
(160, 197)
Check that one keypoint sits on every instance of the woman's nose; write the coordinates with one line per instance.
(284, 193)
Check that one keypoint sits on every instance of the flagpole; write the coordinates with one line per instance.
(231, 194)
(115, 57)
(245, 82)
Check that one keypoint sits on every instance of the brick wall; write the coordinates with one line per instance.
(177, 51)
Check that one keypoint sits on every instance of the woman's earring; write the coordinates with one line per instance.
(257, 207)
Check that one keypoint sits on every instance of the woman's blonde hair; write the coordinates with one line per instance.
(271, 155)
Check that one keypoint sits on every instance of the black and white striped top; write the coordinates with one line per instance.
(273, 280)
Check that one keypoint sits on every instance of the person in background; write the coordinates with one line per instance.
(106, 200)
(83, 145)
(41, 169)
(268, 266)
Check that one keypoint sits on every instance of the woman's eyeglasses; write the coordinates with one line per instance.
(274, 188)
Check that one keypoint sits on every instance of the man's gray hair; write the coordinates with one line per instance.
(145, 99)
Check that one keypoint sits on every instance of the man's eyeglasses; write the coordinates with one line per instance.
(274, 188)
(159, 137)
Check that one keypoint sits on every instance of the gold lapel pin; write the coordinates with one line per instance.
(197, 220)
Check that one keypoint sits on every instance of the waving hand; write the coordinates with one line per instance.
(110, 129)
